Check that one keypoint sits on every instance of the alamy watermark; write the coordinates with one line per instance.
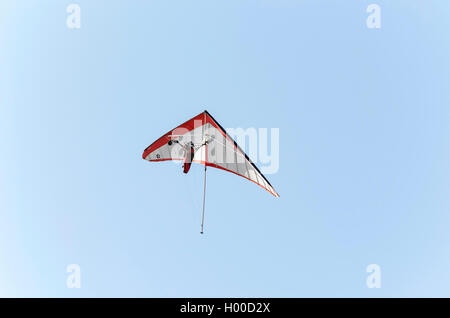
(233, 148)
(73, 20)
(74, 278)
(374, 278)
(374, 19)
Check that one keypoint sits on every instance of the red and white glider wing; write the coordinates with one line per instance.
(215, 149)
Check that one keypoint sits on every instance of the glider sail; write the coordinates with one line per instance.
(203, 140)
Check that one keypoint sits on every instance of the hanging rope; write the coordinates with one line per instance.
(204, 197)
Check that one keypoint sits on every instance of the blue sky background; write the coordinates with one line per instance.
(364, 148)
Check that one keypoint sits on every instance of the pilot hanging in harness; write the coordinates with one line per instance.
(189, 152)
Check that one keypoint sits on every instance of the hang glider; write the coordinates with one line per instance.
(203, 140)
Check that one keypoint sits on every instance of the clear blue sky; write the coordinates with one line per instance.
(364, 172)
